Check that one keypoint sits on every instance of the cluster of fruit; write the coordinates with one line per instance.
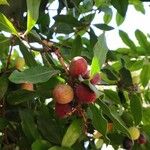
(77, 93)
(135, 136)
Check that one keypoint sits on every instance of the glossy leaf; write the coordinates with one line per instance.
(33, 13)
(34, 75)
(136, 108)
(6, 25)
(72, 134)
(100, 51)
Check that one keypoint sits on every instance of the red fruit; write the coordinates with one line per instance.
(142, 139)
(62, 110)
(96, 79)
(63, 93)
(78, 66)
(84, 94)
(87, 75)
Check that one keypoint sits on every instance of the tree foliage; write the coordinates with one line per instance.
(28, 119)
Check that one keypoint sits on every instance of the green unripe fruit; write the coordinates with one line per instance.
(134, 133)
(19, 63)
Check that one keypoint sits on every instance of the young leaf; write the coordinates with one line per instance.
(136, 108)
(119, 19)
(33, 75)
(100, 51)
(99, 122)
(145, 74)
(121, 6)
(4, 2)
(125, 38)
(33, 13)
(6, 25)
(72, 134)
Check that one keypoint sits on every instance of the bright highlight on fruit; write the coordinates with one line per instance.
(78, 66)
(84, 94)
(63, 93)
(62, 110)
(134, 133)
(19, 63)
(27, 86)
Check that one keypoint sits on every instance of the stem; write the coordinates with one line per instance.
(9, 57)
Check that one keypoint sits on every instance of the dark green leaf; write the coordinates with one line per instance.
(6, 25)
(3, 123)
(20, 96)
(116, 120)
(34, 75)
(77, 46)
(67, 19)
(125, 38)
(121, 6)
(41, 145)
(29, 59)
(33, 13)
(59, 148)
(136, 108)
(142, 39)
(28, 125)
(3, 86)
(72, 134)
(98, 120)
(145, 74)
(104, 27)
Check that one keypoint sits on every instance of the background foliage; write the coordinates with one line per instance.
(27, 120)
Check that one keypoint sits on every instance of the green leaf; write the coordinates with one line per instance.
(3, 123)
(40, 145)
(104, 27)
(77, 46)
(136, 108)
(107, 16)
(33, 13)
(29, 59)
(59, 148)
(3, 86)
(49, 129)
(119, 19)
(73, 133)
(121, 6)
(116, 120)
(112, 95)
(68, 19)
(142, 39)
(33, 75)
(6, 25)
(146, 116)
(145, 73)
(125, 38)
(100, 51)
(28, 125)
(98, 120)
(4, 2)
(20, 96)
(99, 3)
